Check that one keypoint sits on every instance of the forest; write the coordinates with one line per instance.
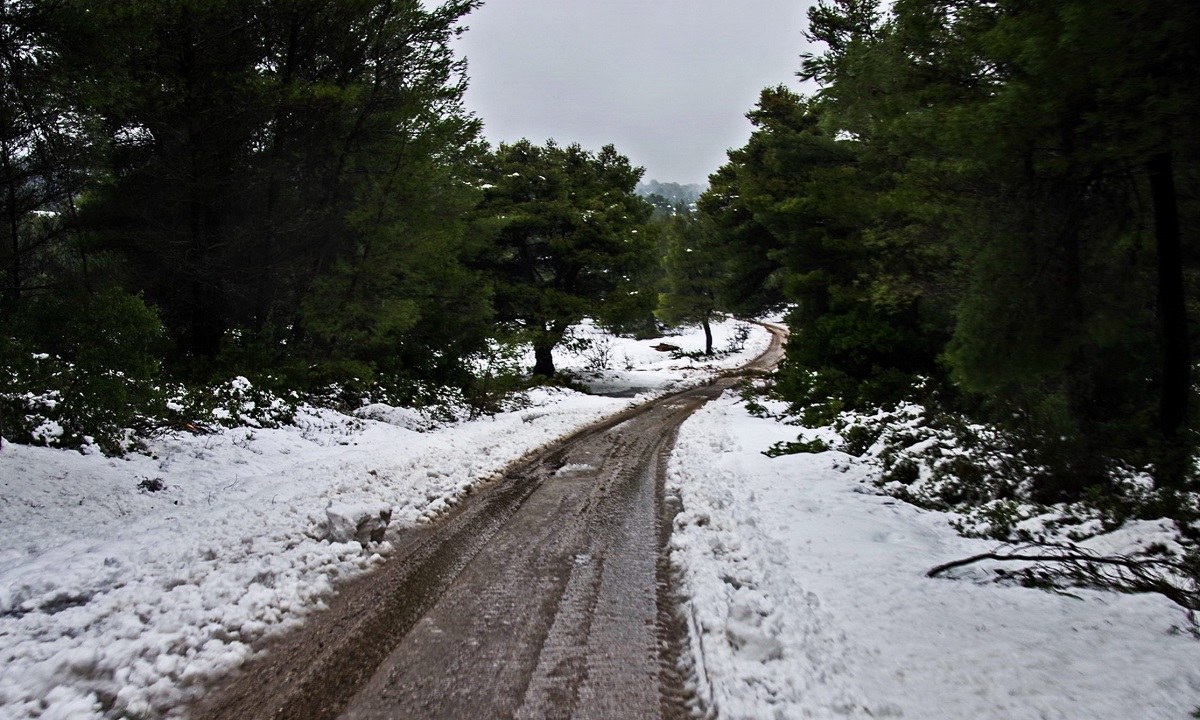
(989, 210)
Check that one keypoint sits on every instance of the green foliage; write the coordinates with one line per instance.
(45, 149)
(499, 377)
(80, 371)
(285, 169)
(840, 252)
(904, 472)
(286, 183)
(692, 268)
(795, 447)
(990, 205)
(857, 439)
(567, 239)
(996, 520)
(231, 403)
(818, 397)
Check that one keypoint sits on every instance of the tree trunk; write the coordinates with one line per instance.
(206, 321)
(707, 335)
(543, 361)
(265, 290)
(12, 286)
(1172, 318)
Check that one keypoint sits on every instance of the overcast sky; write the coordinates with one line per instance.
(666, 81)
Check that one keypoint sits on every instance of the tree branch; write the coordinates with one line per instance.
(1167, 577)
(1098, 559)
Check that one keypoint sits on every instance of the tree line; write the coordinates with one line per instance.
(289, 190)
(991, 207)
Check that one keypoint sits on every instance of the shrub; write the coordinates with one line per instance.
(233, 403)
(904, 472)
(795, 447)
(497, 377)
(858, 439)
(80, 371)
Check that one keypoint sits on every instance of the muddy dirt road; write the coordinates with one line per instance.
(544, 596)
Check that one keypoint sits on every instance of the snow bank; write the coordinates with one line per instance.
(807, 598)
(127, 585)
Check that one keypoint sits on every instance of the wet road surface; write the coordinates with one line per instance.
(545, 596)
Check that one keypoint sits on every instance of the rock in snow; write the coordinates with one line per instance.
(364, 523)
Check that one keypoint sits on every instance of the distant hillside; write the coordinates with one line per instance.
(666, 196)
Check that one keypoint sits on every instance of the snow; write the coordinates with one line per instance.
(117, 600)
(807, 598)
(805, 591)
(614, 367)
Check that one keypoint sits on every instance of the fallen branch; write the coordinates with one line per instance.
(1123, 573)
(1121, 560)
(189, 426)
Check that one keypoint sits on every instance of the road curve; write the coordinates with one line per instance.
(545, 596)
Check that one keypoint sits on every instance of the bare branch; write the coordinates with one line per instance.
(1165, 576)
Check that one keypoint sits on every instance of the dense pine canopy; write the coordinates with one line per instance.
(994, 201)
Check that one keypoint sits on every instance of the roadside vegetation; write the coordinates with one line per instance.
(986, 222)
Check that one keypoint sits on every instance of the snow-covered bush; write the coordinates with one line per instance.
(236, 402)
(84, 373)
(498, 378)
(93, 382)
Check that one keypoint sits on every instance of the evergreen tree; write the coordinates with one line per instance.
(842, 248)
(284, 171)
(44, 150)
(568, 239)
(1070, 123)
(751, 282)
(692, 273)
(1031, 172)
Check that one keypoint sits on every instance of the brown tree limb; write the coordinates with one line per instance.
(1165, 577)
(1102, 560)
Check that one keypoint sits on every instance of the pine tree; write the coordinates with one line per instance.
(1040, 154)
(692, 270)
(44, 150)
(841, 245)
(567, 235)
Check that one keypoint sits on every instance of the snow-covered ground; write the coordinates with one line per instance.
(807, 590)
(808, 599)
(121, 600)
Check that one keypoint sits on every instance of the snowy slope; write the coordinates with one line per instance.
(807, 598)
(117, 601)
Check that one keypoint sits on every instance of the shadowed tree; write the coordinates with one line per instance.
(45, 148)
(1043, 154)
(273, 164)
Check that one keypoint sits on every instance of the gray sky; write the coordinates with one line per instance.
(666, 81)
